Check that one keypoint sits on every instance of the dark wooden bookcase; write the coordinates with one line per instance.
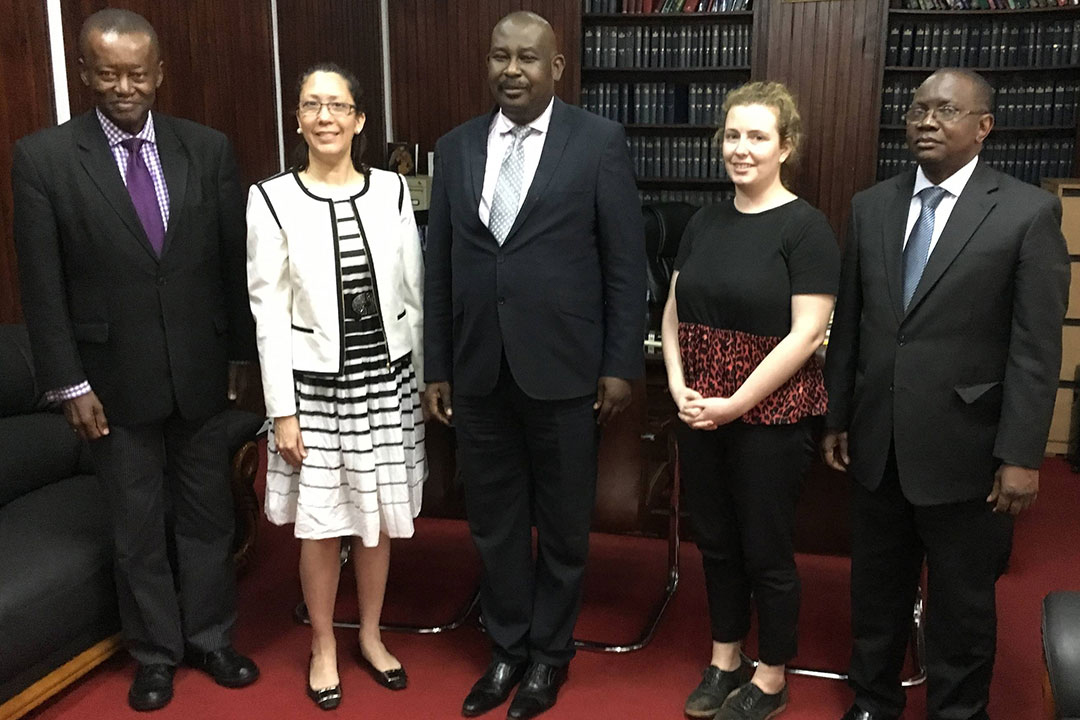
(1032, 58)
(664, 75)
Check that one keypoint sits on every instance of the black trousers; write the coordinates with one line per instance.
(742, 483)
(168, 486)
(528, 461)
(966, 548)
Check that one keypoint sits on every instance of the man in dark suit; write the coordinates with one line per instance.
(130, 236)
(942, 369)
(535, 307)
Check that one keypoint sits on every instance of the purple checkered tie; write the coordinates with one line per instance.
(140, 186)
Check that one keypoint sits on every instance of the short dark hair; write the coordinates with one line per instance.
(984, 92)
(120, 21)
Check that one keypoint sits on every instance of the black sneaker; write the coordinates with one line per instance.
(715, 686)
(751, 703)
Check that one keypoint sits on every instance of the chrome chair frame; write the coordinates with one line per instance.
(647, 633)
(918, 652)
(300, 613)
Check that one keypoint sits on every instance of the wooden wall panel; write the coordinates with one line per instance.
(437, 50)
(25, 106)
(346, 32)
(829, 53)
(218, 69)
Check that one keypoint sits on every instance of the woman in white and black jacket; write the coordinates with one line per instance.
(335, 276)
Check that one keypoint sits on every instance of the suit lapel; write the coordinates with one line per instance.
(554, 144)
(476, 152)
(971, 208)
(174, 164)
(892, 239)
(98, 161)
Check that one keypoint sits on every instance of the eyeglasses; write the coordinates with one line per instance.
(309, 108)
(944, 113)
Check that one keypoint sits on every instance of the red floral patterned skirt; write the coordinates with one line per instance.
(716, 363)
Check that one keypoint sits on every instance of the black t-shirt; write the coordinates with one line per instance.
(738, 271)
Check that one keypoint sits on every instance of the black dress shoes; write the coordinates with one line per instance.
(395, 678)
(857, 713)
(327, 698)
(152, 688)
(538, 691)
(493, 687)
(228, 668)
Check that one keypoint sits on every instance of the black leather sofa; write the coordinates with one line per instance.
(57, 596)
(58, 606)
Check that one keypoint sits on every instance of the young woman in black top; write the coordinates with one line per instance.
(749, 304)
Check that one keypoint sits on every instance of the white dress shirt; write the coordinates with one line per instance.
(499, 139)
(952, 185)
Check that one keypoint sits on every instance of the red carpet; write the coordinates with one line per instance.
(433, 574)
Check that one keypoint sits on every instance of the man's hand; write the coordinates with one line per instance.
(86, 416)
(612, 397)
(437, 402)
(288, 441)
(713, 412)
(834, 450)
(1015, 489)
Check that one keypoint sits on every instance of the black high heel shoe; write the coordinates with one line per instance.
(327, 698)
(394, 679)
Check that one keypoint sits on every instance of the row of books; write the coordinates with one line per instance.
(995, 43)
(694, 197)
(985, 4)
(657, 102)
(677, 46)
(683, 157)
(1028, 159)
(1015, 104)
(640, 103)
(665, 6)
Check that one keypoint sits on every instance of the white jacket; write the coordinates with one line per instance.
(294, 278)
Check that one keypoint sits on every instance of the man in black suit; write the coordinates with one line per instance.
(535, 306)
(942, 369)
(129, 228)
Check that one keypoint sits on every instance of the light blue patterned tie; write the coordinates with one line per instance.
(917, 250)
(505, 203)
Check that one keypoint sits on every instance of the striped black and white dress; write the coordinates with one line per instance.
(363, 430)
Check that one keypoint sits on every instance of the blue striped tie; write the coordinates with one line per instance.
(917, 250)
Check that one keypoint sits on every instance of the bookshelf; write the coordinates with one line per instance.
(662, 68)
(1064, 435)
(1029, 53)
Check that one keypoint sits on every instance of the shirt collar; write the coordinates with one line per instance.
(954, 184)
(115, 135)
(504, 124)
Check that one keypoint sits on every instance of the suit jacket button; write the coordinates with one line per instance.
(891, 388)
(900, 341)
(161, 281)
(502, 301)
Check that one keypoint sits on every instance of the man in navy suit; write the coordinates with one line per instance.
(129, 228)
(534, 316)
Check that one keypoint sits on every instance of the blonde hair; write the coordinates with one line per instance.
(779, 99)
